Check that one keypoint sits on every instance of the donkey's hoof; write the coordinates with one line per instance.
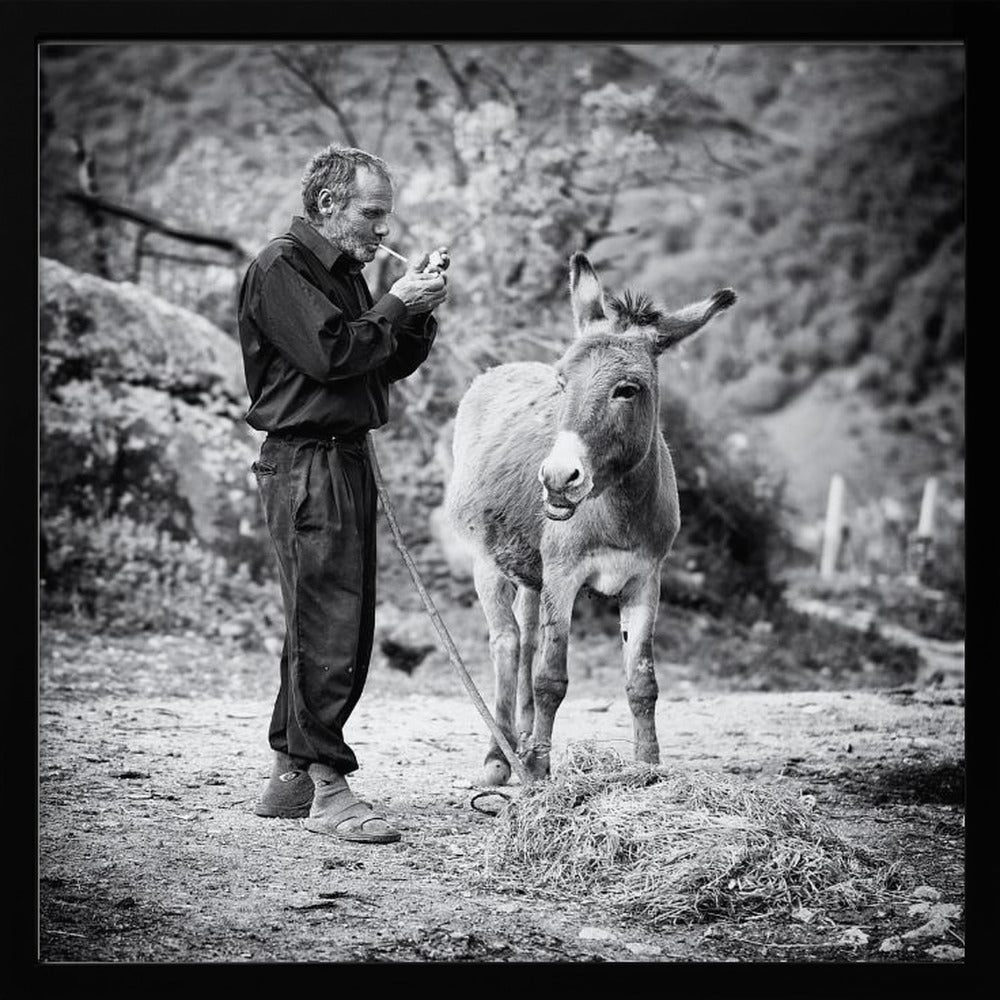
(496, 772)
(537, 763)
(647, 753)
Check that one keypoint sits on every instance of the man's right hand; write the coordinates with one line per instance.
(420, 291)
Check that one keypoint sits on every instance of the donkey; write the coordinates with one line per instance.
(562, 478)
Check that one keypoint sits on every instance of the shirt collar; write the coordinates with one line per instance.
(329, 256)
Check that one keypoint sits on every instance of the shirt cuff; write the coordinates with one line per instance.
(391, 307)
(423, 326)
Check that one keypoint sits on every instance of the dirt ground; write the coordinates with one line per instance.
(151, 751)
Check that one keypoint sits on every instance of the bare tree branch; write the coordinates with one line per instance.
(307, 75)
(158, 225)
(391, 77)
(498, 83)
(184, 259)
(87, 177)
(734, 171)
(137, 253)
(461, 84)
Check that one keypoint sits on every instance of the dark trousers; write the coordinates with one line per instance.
(319, 500)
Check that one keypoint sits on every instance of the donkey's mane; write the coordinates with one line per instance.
(633, 309)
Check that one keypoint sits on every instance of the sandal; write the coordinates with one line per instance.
(349, 824)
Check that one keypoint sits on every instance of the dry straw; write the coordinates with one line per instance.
(669, 847)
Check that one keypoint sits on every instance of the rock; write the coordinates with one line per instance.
(129, 410)
(926, 892)
(803, 914)
(891, 944)
(947, 953)
(939, 920)
(596, 934)
(639, 948)
(126, 332)
(853, 937)
(403, 656)
(403, 638)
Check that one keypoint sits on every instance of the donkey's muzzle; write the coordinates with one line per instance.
(558, 511)
(565, 477)
(561, 504)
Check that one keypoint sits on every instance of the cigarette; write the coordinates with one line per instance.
(398, 256)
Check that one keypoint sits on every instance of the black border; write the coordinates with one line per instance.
(513, 20)
(23, 25)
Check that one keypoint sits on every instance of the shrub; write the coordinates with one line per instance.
(123, 577)
(732, 513)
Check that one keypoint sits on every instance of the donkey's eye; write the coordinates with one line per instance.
(626, 390)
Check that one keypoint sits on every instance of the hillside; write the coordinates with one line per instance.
(824, 183)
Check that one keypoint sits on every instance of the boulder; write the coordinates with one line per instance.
(117, 331)
(141, 413)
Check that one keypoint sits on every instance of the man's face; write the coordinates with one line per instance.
(359, 227)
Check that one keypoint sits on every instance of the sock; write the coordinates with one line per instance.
(332, 793)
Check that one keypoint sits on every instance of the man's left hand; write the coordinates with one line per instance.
(436, 261)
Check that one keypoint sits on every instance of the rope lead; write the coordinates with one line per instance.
(517, 766)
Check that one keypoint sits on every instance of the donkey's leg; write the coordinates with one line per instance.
(549, 679)
(638, 615)
(526, 611)
(496, 596)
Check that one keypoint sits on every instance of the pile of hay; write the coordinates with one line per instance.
(667, 847)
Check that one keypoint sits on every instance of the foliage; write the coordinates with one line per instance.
(804, 642)
(733, 523)
(920, 606)
(125, 576)
(145, 484)
(850, 257)
(172, 484)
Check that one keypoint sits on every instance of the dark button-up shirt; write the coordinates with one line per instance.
(318, 352)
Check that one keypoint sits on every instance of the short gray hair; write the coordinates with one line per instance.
(335, 168)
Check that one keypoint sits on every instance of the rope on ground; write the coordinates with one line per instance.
(517, 766)
(491, 793)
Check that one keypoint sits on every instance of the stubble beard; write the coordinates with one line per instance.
(351, 245)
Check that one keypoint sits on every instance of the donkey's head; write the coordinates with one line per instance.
(608, 378)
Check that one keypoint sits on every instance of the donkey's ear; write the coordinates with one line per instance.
(585, 292)
(674, 327)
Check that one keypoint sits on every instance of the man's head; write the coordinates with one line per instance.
(347, 196)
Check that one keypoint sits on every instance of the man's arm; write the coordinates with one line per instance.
(414, 337)
(313, 334)
(422, 288)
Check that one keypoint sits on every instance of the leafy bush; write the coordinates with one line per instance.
(805, 643)
(124, 576)
(732, 513)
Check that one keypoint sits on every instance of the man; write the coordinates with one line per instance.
(319, 355)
